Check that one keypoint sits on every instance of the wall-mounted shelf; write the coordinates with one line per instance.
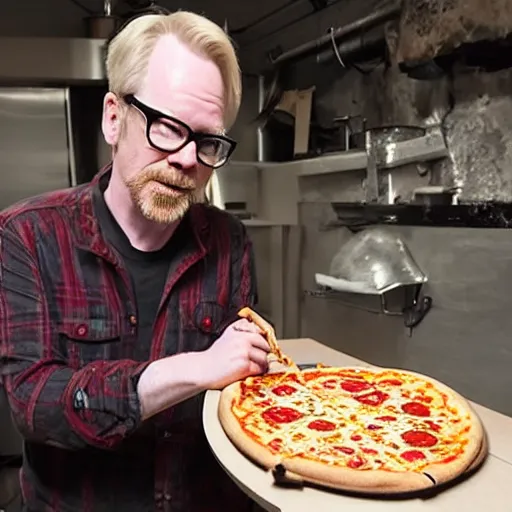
(420, 149)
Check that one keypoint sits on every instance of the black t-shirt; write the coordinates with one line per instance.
(148, 270)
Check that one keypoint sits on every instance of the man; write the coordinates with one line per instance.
(118, 298)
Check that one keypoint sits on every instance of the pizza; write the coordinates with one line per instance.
(374, 430)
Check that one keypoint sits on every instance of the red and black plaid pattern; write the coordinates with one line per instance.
(70, 360)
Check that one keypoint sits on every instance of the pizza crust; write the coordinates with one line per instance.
(403, 483)
(374, 481)
(301, 470)
(236, 434)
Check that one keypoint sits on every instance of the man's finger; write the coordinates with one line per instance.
(245, 326)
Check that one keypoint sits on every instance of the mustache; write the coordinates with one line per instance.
(169, 177)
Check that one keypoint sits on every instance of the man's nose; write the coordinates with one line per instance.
(185, 158)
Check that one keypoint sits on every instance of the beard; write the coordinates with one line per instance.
(162, 194)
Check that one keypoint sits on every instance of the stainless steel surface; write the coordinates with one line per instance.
(261, 104)
(69, 124)
(277, 256)
(88, 149)
(430, 146)
(34, 153)
(336, 162)
(46, 60)
(372, 173)
(378, 260)
(465, 338)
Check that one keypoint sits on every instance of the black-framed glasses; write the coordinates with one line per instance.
(168, 134)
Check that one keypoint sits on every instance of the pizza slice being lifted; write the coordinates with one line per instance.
(270, 335)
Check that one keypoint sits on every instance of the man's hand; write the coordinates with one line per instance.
(241, 351)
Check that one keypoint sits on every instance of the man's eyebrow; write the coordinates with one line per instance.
(217, 130)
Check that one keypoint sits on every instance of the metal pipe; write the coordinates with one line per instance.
(313, 46)
(263, 18)
(364, 46)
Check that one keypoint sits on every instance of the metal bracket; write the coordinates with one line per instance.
(414, 310)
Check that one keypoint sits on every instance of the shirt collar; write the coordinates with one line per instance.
(88, 233)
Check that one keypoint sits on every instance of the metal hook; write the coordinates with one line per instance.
(335, 48)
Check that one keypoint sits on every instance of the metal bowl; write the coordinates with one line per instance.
(376, 259)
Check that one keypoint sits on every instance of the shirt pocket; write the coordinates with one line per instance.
(205, 322)
(86, 340)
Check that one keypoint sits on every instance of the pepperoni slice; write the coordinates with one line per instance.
(386, 418)
(391, 382)
(419, 438)
(369, 451)
(374, 427)
(345, 449)
(424, 398)
(374, 398)
(284, 390)
(413, 455)
(434, 426)
(276, 444)
(355, 386)
(416, 409)
(281, 415)
(322, 425)
(356, 462)
(330, 384)
(356, 437)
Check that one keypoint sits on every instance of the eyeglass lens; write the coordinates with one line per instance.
(169, 136)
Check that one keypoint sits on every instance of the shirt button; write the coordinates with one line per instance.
(158, 496)
(167, 497)
(133, 320)
(206, 323)
(81, 330)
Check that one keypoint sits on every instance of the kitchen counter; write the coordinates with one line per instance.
(487, 490)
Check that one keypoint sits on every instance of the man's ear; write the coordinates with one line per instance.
(111, 123)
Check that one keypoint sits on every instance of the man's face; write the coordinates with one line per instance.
(187, 87)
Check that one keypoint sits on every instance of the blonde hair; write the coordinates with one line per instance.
(129, 53)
